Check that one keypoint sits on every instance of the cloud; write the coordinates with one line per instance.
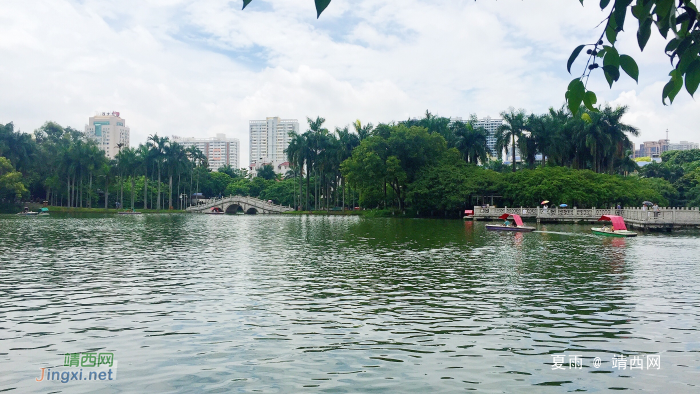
(196, 68)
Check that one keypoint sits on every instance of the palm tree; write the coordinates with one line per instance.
(347, 142)
(470, 141)
(158, 151)
(296, 156)
(128, 160)
(510, 130)
(175, 160)
(613, 126)
(143, 154)
(363, 131)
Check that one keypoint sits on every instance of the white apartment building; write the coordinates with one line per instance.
(268, 140)
(220, 151)
(490, 125)
(109, 131)
(683, 145)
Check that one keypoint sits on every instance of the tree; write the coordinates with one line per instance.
(362, 131)
(470, 142)
(512, 128)
(10, 180)
(296, 155)
(267, 171)
(158, 148)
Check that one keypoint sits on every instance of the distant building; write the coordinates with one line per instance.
(490, 125)
(269, 139)
(109, 131)
(656, 148)
(220, 151)
(683, 145)
(652, 148)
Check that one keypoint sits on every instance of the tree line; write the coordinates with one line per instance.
(430, 165)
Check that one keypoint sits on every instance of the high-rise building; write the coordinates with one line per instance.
(220, 151)
(109, 131)
(268, 140)
(490, 125)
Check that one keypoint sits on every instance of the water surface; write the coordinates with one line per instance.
(199, 303)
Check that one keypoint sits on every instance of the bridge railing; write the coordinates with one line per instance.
(256, 202)
(669, 215)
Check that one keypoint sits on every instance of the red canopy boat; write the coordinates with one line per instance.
(215, 211)
(517, 224)
(618, 228)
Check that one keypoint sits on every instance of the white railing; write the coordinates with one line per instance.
(255, 202)
(662, 215)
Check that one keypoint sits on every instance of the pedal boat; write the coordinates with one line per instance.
(618, 228)
(517, 225)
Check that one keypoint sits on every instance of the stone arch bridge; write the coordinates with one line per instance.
(231, 204)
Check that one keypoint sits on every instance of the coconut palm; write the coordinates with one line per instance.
(512, 129)
(143, 154)
(363, 131)
(470, 142)
(158, 147)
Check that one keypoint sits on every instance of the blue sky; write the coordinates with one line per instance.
(201, 67)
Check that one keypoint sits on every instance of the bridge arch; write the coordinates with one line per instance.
(233, 209)
(233, 204)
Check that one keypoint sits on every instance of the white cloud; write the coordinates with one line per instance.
(204, 67)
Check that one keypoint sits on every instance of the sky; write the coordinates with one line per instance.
(195, 68)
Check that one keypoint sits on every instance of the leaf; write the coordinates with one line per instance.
(612, 74)
(611, 31)
(586, 118)
(574, 95)
(692, 77)
(612, 58)
(320, 6)
(667, 89)
(573, 57)
(245, 3)
(672, 45)
(644, 33)
(589, 99)
(630, 67)
(674, 86)
(620, 12)
(604, 3)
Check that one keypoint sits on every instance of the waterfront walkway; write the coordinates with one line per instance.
(230, 204)
(666, 219)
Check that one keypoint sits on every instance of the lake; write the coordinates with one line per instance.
(281, 304)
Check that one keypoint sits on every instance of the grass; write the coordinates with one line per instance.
(108, 210)
(369, 213)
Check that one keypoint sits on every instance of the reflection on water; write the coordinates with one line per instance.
(194, 303)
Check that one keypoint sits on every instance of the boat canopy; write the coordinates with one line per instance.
(216, 209)
(469, 212)
(518, 220)
(617, 221)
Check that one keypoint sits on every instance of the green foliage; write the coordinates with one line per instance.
(683, 46)
(267, 171)
(449, 184)
(215, 184)
(682, 170)
(11, 185)
(238, 187)
(581, 188)
(393, 158)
